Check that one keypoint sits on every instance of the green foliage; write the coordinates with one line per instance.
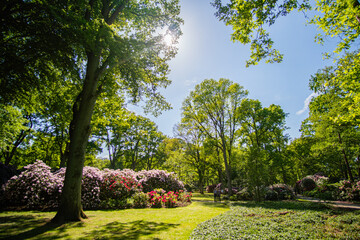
(214, 109)
(11, 124)
(140, 200)
(333, 118)
(338, 19)
(249, 21)
(280, 220)
(244, 195)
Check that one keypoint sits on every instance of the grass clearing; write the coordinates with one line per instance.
(281, 220)
(164, 223)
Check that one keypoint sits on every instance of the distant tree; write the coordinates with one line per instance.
(194, 155)
(263, 135)
(214, 108)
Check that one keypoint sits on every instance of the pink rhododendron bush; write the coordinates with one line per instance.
(153, 179)
(37, 187)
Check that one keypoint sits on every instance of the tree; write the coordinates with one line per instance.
(106, 45)
(334, 116)
(214, 108)
(141, 141)
(262, 134)
(13, 131)
(251, 19)
(195, 154)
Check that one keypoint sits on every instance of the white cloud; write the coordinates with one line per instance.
(191, 82)
(306, 103)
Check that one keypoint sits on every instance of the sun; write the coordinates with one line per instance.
(168, 40)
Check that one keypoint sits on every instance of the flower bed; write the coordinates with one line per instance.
(39, 188)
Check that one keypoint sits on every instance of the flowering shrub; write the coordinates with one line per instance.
(152, 179)
(36, 187)
(118, 186)
(349, 191)
(170, 199)
(279, 192)
(155, 199)
(90, 187)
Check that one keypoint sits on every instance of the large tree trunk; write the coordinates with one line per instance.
(70, 208)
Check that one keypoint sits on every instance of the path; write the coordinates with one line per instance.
(337, 204)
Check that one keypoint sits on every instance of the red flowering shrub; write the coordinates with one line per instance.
(118, 187)
(155, 199)
(170, 199)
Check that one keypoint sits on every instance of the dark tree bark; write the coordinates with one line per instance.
(70, 208)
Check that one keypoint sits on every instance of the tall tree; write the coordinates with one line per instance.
(334, 114)
(214, 106)
(262, 129)
(107, 45)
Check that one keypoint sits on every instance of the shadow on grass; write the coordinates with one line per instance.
(129, 230)
(29, 226)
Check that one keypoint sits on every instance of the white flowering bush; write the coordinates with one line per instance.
(34, 188)
(151, 179)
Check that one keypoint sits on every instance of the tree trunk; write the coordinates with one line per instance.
(70, 208)
(201, 181)
(227, 167)
(64, 155)
(346, 160)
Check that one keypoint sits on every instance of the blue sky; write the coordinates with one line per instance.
(206, 51)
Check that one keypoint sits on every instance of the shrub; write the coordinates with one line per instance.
(183, 198)
(308, 184)
(90, 187)
(115, 204)
(244, 195)
(34, 188)
(117, 186)
(7, 172)
(155, 199)
(283, 191)
(271, 195)
(349, 191)
(152, 179)
(140, 200)
(170, 199)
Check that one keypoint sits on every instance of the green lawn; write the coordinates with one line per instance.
(165, 223)
(204, 219)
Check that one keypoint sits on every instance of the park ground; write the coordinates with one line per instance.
(180, 223)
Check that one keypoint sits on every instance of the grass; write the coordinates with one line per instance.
(203, 219)
(281, 220)
(164, 223)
